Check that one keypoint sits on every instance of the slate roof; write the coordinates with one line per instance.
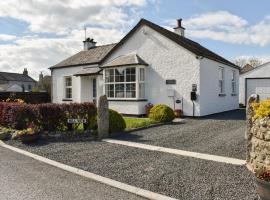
(131, 59)
(190, 45)
(88, 71)
(246, 69)
(91, 56)
(99, 54)
(7, 76)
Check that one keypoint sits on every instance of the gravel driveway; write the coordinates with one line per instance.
(176, 176)
(220, 134)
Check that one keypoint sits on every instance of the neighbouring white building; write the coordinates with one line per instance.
(149, 65)
(255, 81)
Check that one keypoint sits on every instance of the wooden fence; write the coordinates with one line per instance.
(28, 97)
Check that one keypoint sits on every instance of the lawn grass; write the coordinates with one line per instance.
(133, 123)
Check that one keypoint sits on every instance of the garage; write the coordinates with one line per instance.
(260, 86)
(255, 80)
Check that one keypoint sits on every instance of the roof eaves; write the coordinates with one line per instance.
(66, 66)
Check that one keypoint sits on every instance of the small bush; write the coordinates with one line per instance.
(161, 113)
(261, 109)
(116, 122)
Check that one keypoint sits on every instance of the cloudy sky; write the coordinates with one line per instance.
(39, 33)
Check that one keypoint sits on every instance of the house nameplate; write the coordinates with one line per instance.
(170, 82)
(76, 121)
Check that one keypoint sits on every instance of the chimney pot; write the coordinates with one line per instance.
(179, 23)
(25, 72)
(89, 43)
(179, 29)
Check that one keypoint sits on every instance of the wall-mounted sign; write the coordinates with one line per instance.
(178, 101)
(194, 87)
(171, 82)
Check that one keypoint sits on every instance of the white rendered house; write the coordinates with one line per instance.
(255, 81)
(149, 65)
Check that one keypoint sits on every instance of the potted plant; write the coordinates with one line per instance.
(263, 184)
(148, 108)
(29, 135)
(178, 113)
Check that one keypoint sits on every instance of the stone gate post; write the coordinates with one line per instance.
(103, 117)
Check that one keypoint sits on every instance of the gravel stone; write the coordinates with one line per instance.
(220, 134)
(171, 175)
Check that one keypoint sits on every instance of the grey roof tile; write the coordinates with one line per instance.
(7, 76)
(131, 59)
(92, 56)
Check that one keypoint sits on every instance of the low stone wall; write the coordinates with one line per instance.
(258, 136)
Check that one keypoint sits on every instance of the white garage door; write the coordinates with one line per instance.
(258, 86)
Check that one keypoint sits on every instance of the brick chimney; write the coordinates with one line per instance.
(88, 44)
(25, 72)
(179, 29)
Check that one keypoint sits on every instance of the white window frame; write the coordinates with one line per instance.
(233, 82)
(136, 82)
(67, 87)
(221, 80)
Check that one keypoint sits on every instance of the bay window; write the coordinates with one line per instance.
(124, 83)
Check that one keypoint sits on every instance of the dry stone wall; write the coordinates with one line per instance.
(258, 140)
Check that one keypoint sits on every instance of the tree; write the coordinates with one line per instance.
(254, 62)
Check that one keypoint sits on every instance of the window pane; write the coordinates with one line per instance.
(131, 90)
(221, 73)
(68, 93)
(109, 90)
(109, 75)
(233, 75)
(68, 81)
(131, 74)
(119, 90)
(141, 90)
(141, 74)
(119, 75)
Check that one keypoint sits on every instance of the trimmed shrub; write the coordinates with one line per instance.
(161, 113)
(51, 116)
(116, 122)
(48, 117)
(19, 116)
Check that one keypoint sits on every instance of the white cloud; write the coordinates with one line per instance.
(59, 16)
(5, 37)
(106, 22)
(37, 54)
(227, 27)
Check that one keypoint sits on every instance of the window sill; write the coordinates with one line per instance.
(233, 94)
(127, 100)
(67, 100)
(222, 95)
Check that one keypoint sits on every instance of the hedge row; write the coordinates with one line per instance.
(49, 116)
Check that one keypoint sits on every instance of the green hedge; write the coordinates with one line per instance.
(161, 113)
(116, 122)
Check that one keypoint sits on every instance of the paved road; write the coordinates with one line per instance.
(23, 178)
